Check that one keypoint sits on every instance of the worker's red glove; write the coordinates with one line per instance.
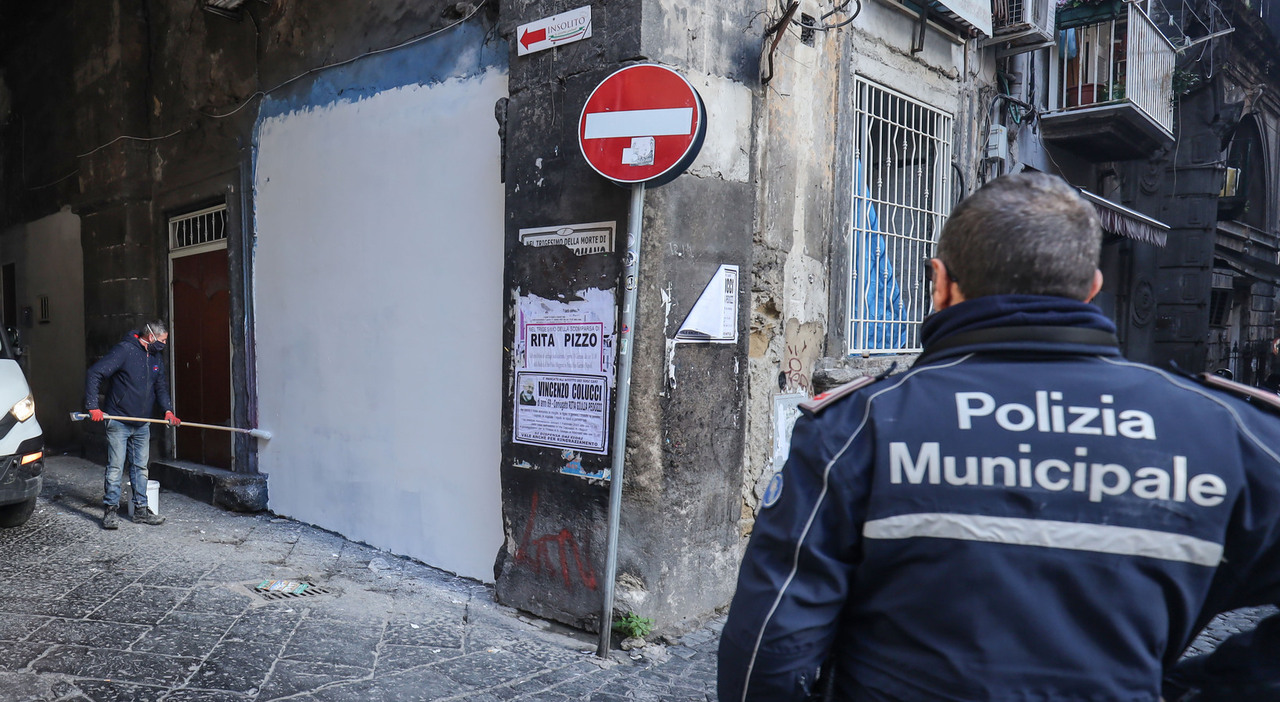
(97, 415)
(172, 418)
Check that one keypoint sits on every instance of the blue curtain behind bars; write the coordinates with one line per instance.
(878, 297)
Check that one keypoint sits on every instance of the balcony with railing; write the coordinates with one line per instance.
(1111, 97)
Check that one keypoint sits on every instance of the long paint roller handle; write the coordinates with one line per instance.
(255, 433)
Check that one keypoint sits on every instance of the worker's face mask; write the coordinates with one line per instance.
(156, 345)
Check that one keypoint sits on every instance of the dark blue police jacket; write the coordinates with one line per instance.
(1023, 515)
(138, 380)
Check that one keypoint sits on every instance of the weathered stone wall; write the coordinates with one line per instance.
(129, 111)
(1182, 186)
(677, 548)
(800, 269)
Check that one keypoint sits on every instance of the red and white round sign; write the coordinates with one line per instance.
(642, 124)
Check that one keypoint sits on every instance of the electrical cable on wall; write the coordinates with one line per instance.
(1029, 113)
(776, 29)
(830, 9)
(788, 10)
(263, 93)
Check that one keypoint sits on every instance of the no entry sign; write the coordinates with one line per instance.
(642, 124)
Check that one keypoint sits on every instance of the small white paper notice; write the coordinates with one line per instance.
(786, 410)
(714, 317)
(640, 153)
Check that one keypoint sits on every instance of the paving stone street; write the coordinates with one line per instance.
(167, 613)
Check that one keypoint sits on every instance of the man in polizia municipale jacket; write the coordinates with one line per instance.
(1021, 515)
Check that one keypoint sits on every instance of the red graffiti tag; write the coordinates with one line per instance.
(537, 555)
(797, 379)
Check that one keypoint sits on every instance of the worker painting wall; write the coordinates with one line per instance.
(378, 209)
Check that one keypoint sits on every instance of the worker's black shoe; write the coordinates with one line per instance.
(110, 520)
(144, 515)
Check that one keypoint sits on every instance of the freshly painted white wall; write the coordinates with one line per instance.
(378, 304)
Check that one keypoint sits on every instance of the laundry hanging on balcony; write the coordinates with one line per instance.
(879, 314)
(1067, 46)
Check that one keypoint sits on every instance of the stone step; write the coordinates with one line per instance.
(235, 492)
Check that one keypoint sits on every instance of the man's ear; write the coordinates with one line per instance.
(945, 292)
(1096, 286)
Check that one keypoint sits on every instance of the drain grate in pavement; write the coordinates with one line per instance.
(274, 590)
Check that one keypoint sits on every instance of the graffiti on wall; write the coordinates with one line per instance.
(795, 374)
(803, 346)
(555, 554)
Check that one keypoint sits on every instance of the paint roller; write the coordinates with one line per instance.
(255, 433)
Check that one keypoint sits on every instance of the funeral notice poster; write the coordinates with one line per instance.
(562, 410)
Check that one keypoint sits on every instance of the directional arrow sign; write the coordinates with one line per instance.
(642, 124)
(533, 36)
(564, 28)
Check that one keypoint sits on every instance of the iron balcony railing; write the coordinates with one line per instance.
(1122, 60)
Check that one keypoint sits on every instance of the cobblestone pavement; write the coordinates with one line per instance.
(1226, 625)
(166, 613)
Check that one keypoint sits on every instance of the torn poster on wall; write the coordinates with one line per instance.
(714, 317)
(786, 410)
(582, 239)
(564, 365)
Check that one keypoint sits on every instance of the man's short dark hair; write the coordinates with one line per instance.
(1029, 234)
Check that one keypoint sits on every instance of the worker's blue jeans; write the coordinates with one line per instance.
(132, 444)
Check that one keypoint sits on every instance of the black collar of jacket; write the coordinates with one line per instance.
(1038, 335)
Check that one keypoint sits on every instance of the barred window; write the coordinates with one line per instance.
(205, 226)
(901, 197)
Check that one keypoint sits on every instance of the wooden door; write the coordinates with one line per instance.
(201, 342)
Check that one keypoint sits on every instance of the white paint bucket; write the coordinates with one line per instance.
(153, 497)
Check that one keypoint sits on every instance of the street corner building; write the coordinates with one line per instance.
(375, 230)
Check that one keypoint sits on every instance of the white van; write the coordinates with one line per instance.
(21, 441)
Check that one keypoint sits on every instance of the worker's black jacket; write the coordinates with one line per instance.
(138, 380)
(1023, 515)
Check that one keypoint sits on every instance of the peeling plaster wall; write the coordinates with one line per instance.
(378, 264)
(800, 266)
(553, 555)
(680, 514)
(677, 550)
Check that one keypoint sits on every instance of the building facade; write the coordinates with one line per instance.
(373, 232)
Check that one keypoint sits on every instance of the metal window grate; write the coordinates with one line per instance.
(195, 228)
(901, 197)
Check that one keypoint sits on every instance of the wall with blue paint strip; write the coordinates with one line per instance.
(467, 50)
(378, 211)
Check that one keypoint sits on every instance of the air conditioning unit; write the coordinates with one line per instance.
(1022, 25)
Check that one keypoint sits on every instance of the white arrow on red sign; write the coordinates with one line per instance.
(642, 124)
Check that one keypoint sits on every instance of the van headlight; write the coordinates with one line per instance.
(24, 408)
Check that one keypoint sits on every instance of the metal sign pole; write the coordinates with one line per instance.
(630, 276)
